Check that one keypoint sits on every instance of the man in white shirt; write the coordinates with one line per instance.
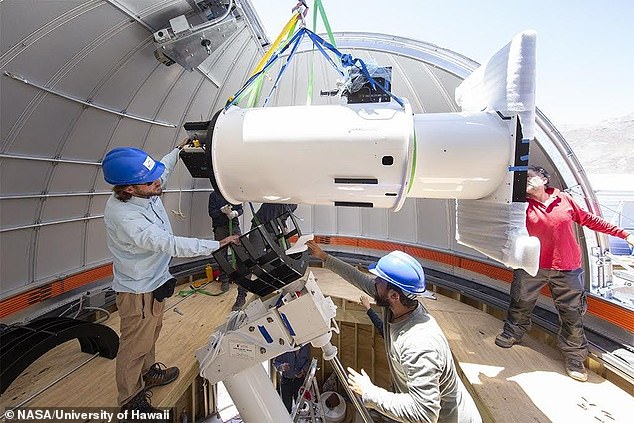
(140, 238)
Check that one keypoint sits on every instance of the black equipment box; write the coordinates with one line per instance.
(197, 162)
(260, 263)
(367, 94)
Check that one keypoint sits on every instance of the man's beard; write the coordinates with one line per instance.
(145, 194)
(381, 301)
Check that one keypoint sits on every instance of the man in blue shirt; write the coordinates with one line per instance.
(293, 366)
(140, 238)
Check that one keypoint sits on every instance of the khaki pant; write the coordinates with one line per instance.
(141, 322)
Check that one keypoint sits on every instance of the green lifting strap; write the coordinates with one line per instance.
(200, 290)
(256, 90)
(317, 7)
(322, 12)
(346, 61)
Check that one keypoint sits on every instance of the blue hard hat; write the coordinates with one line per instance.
(402, 270)
(130, 166)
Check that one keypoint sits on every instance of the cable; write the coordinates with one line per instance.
(235, 320)
(103, 319)
(68, 309)
(81, 302)
(217, 20)
(179, 213)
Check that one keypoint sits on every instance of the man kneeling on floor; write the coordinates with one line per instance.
(140, 238)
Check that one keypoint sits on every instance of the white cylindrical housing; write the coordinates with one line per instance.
(461, 155)
(372, 155)
(255, 398)
(356, 154)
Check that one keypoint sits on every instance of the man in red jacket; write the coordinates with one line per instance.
(550, 216)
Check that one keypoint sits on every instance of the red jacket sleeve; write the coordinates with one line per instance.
(594, 222)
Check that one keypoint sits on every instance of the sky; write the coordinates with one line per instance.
(585, 48)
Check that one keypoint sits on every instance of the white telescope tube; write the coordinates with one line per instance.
(313, 154)
(358, 154)
(255, 398)
(460, 155)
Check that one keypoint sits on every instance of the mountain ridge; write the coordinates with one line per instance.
(604, 147)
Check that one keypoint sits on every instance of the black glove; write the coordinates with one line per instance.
(164, 291)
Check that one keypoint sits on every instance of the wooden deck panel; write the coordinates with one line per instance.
(526, 383)
(93, 385)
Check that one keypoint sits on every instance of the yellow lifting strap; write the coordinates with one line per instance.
(286, 32)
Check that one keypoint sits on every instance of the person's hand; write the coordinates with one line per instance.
(315, 250)
(231, 239)
(365, 302)
(229, 211)
(359, 382)
(630, 239)
(183, 143)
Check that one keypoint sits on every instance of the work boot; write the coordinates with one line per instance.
(224, 286)
(159, 374)
(240, 300)
(576, 370)
(140, 403)
(506, 340)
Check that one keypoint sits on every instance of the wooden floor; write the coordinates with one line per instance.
(93, 385)
(526, 383)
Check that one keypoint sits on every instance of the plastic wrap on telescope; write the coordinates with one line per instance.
(505, 83)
